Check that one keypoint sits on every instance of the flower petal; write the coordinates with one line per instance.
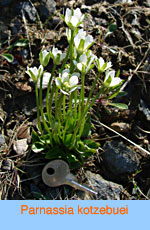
(73, 80)
(79, 66)
(74, 21)
(88, 41)
(44, 52)
(80, 35)
(65, 77)
(77, 13)
(73, 89)
(58, 82)
(62, 56)
(34, 70)
(101, 62)
(68, 15)
(40, 70)
(83, 59)
(109, 64)
(76, 73)
(115, 81)
(65, 71)
(64, 92)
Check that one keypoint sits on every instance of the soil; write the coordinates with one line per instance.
(126, 46)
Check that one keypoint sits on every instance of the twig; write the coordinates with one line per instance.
(139, 190)
(136, 69)
(131, 142)
(27, 33)
(38, 17)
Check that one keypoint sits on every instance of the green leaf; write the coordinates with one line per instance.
(21, 42)
(73, 161)
(44, 139)
(55, 152)
(87, 127)
(35, 137)
(118, 94)
(91, 144)
(118, 105)
(112, 27)
(62, 17)
(68, 140)
(38, 147)
(103, 67)
(8, 57)
(118, 73)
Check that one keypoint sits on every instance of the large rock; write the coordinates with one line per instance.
(106, 190)
(119, 159)
(46, 8)
(28, 10)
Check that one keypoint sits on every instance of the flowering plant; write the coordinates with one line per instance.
(65, 130)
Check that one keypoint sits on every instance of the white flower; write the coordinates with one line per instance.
(114, 81)
(83, 42)
(46, 79)
(35, 73)
(67, 83)
(44, 57)
(102, 65)
(73, 18)
(85, 62)
(57, 55)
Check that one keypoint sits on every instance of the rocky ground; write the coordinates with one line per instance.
(121, 167)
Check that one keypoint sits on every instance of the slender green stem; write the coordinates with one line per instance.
(92, 88)
(75, 105)
(60, 105)
(65, 128)
(50, 103)
(71, 52)
(82, 126)
(79, 106)
(70, 101)
(82, 89)
(48, 90)
(65, 60)
(38, 110)
(41, 110)
(87, 107)
(56, 98)
(59, 113)
(81, 98)
(64, 106)
(38, 114)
